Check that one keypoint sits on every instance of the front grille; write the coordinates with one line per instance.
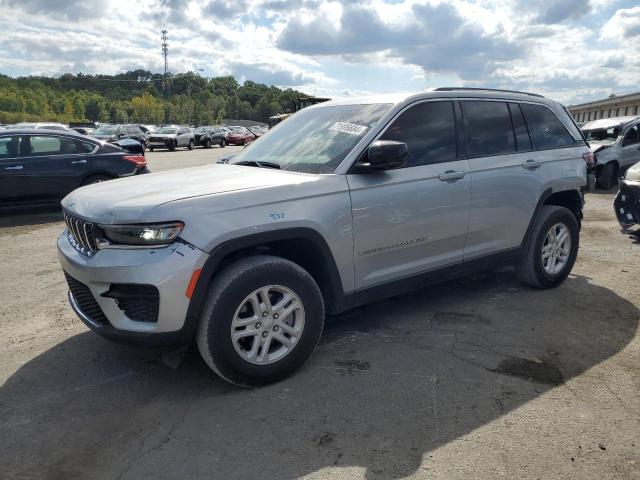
(82, 234)
(85, 300)
(156, 139)
(138, 302)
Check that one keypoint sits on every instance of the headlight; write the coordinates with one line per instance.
(158, 234)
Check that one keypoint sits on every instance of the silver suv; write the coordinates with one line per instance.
(344, 203)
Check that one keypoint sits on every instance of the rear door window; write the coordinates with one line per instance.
(632, 137)
(546, 128)
(429, 130)
(488, 129)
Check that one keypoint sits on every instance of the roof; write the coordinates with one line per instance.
(40, 131)
(605, 123)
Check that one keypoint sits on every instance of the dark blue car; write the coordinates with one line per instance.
(43, 166)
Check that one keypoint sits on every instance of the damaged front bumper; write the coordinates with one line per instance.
(627, 204)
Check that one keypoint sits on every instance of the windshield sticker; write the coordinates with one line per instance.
(350, 128)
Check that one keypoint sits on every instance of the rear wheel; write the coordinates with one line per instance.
(551, 248)
(96, 179)
(207, 143)
(262, 320)
(192, 145)
(172, 146)
(606, 176)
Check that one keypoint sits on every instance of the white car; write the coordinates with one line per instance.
(43, 126)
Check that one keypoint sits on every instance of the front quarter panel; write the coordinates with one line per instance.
(317, 202)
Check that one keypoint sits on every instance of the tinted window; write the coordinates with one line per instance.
(10, 147)
(429, 129)
(488, 129)
(632, 136)
(523, 142)
(132, 130)
(546, 128)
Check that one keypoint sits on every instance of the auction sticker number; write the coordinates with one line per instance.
(350, 128)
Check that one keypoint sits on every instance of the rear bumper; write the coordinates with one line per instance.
(627, 204)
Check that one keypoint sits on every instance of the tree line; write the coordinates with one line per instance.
(140, 96)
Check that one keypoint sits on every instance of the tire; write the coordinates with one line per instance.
(95, 179)
(151, 149)
(207, 143)
(192, 145)
(531, 269)
(172, 147)
(144, 146)
(606, 176)
(223, 143)
(242, 142)
(229, 291)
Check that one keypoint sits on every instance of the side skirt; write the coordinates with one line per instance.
(419, 281)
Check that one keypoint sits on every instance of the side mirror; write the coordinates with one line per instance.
(385, 155)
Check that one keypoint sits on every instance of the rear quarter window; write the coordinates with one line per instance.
(546, 128)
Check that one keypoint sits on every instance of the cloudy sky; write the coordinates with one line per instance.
(572, 50)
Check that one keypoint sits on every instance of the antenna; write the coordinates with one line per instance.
(165, 51)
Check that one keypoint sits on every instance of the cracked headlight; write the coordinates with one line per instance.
(152, 234)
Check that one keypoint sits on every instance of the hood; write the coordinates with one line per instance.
(596, 146)
(104, 137)
(163, 135)
(633, 174)
(132, 199)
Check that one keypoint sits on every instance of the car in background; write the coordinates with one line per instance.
(172, 137)
(113, 133)
(42, 125)
(208, 136)
(148, 129)
(83, 130)
(240, 136)
(627, 202)
(615, 143)
(44, 166)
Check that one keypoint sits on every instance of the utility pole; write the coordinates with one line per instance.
(165, 53)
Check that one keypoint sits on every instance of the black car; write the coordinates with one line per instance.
(43, 166)
(208, 136)
(113, 133)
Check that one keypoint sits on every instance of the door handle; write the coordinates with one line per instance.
(451, 175)
(16, 167)
(531, 164)
(79, 161)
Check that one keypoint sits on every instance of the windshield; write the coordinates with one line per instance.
(314, 140)
(202, 129)
(608, 135)
(104, 131)
(167, 130)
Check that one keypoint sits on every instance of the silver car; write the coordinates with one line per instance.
(172, 137)
(616, 145)
(346, 202)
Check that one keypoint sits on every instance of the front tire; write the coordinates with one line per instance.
(192, 145)
(223, 143)
(207, 143)
(551, 249)
(151, 149)
(262, 319)
(606, 176)
(172, 146)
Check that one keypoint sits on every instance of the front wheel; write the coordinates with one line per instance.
(151, 149)
(192, 145)
(551, 249)
(262, 320)
(223, 143)
(207, 143)
(606, 176)
(172, 146)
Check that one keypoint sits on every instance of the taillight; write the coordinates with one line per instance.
(589, 158)
(139, 160)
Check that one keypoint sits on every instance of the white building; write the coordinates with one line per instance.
(614, 106)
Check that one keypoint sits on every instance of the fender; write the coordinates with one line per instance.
(333, 285)
(541, 201)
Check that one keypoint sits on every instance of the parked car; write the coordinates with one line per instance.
(208, 136)
(172, 137)
(240, 136)
(113, 133)
(83, 130)
(615, 143)
(148, 129)
(257, 130)
(41, 125)
(345, 203)
(44, 166)
(627, 202)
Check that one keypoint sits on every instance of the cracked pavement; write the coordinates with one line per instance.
(476, 378)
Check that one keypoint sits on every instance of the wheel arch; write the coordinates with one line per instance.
(571, 199)
(303, 246)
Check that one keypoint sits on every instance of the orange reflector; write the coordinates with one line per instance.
(192, 283)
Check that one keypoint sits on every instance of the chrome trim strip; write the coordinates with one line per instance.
(80, 313)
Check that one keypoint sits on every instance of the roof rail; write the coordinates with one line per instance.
(478, 89)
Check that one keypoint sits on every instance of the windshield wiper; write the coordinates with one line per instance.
(255, 163)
